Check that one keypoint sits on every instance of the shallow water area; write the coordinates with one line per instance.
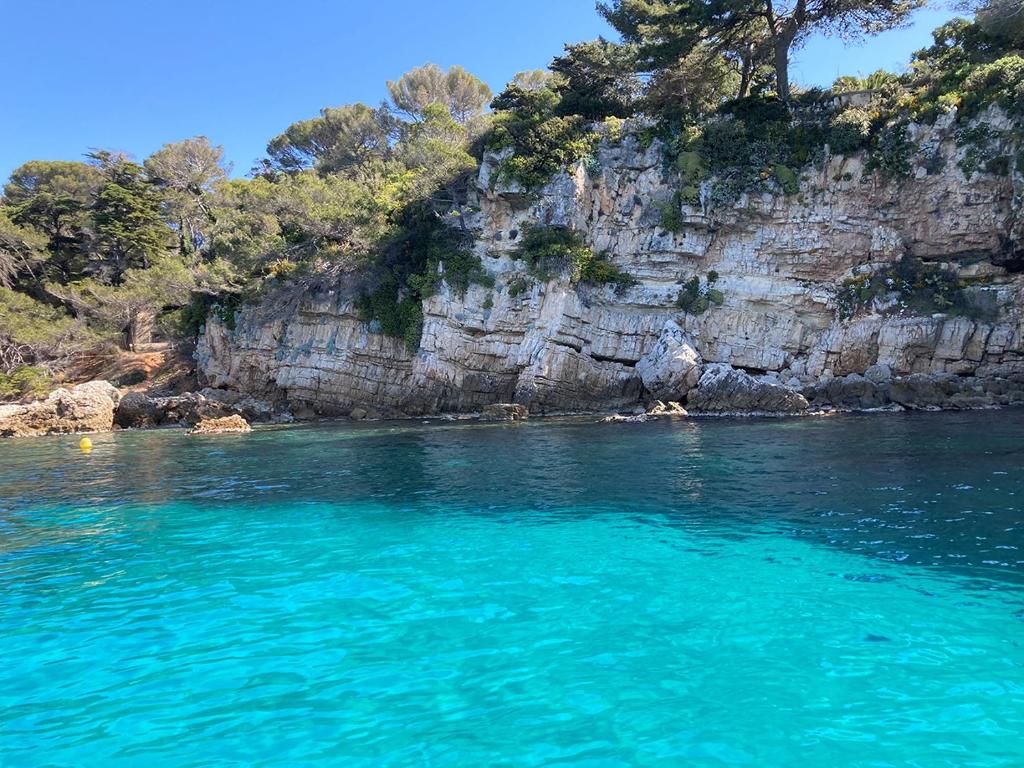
(842, 591)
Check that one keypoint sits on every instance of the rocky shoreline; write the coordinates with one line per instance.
(806, 315)
(98, 406)
(720, 391)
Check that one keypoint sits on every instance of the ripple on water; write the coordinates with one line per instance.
(715, 593)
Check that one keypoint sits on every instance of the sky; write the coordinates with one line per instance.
(133, 75)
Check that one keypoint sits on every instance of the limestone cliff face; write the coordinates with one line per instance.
(780, 259)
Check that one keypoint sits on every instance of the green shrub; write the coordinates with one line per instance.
(41, 331)
(542, 141)
(849, 131)
(692, 167)
(517, 286)
(412, 330)
(396, 315)
(542, 149)
(857, 294)
(671, 212)
(614, 128)
(696, 297)
(922, 288)
(26, 381)
(1001, 82)
(787, 179)
(459, 269)
(998, 166)
(891, 151)
(981, 150)
(423, 251)
(693, 171)
(549, 251)
(597, 270)
(754, 143)
(189, 320)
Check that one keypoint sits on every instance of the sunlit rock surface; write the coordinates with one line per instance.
(780, 260)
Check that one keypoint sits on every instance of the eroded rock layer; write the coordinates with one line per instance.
(780, 260)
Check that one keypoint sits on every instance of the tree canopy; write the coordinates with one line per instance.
(186, 173)
(339, 139)
(462, 94)
(665, 30)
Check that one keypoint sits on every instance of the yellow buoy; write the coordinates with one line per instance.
(85, 444)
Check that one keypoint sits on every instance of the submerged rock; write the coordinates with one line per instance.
(618, 418)
(87, 407)
(222, 426)
(723, 389)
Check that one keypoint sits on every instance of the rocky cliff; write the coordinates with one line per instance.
(782, 337)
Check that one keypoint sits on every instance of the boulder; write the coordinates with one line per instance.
(666, 409)
(100, 387)
(852, 391)
(190, 408)
(504, 412)
(248, 407)
(672, 367)
(879, 373)
(302, 412)
(82, 409)
(254, 409)
(923, 391)
(227, 397)
(360, 413)
(968, 401)
(723, 389)
(136, 410)
(226, 425)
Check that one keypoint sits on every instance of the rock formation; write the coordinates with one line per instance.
(139, 411)
(98, 406)
(88, 407)
(226, 425)
(779, 341)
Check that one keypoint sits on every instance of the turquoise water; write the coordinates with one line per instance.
(815, 592)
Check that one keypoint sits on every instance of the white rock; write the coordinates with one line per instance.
(671, 368)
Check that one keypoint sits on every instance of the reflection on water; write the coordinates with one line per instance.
(841, 592)
(937, 490)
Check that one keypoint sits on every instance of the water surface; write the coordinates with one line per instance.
(836, 592)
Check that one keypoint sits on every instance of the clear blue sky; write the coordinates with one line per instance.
(135, 74)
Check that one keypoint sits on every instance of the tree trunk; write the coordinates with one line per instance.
(182, 248)
(139, 330)
(782, 44)
(746, 71)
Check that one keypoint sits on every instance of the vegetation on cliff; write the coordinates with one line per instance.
(375, 200)
(552, 251)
